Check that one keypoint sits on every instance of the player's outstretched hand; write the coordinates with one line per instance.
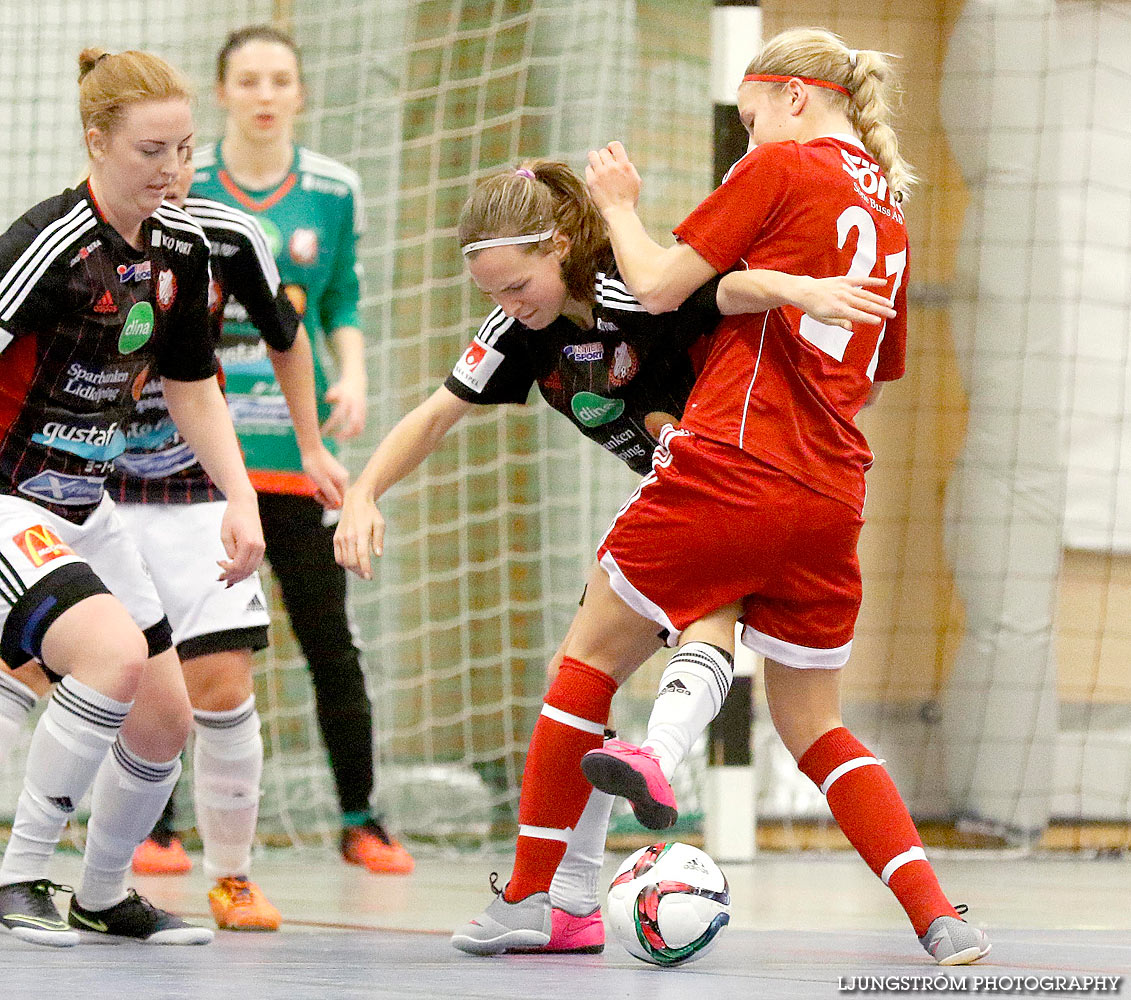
(612, 179)
(360, 532)
(347, 418)
(842, 301)
(242, 535)
(329, 476)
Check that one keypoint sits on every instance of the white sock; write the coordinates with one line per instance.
(574, 886)
(16, 702)
(128, 798)
(69, 743)
(227, 764)
(693, 687)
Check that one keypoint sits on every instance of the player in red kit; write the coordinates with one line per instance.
(535, 243)
(758, 498)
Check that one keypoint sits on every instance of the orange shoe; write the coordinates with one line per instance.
(161, 853)
(371, 847)
(239, 905)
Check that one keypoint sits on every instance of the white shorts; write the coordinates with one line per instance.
(181, 545)
(45, 568)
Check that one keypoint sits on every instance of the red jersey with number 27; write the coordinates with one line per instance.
(780, 385)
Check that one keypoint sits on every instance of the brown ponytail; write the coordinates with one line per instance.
(512, 203)
(88, 59)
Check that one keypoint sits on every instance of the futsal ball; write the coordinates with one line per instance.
(668, 903)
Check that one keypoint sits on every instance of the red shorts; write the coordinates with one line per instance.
(711, 525)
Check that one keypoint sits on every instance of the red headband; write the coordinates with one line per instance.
(770, 78)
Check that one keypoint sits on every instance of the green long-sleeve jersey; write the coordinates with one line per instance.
(312, 218)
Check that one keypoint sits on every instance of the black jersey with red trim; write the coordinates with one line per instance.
(86, 320)
(157, 465)
(605, 380)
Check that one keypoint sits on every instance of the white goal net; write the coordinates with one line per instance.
(989, 667)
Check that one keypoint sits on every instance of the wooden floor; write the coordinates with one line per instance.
(802, 926)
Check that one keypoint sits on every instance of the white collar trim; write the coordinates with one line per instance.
(845, 137)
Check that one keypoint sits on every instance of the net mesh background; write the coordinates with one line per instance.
(489, 540)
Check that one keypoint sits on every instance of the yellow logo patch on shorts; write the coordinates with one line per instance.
(40, 544)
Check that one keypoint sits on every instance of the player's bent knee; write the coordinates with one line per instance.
(801, 730)
(219, 682)
(804, 703)
(159, 725)
(158, 735)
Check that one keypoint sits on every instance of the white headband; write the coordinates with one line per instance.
(507, 241)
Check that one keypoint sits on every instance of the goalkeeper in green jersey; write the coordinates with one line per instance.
(310, 207)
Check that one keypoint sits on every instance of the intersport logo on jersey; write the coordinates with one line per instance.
(585, 352)
(141, 271)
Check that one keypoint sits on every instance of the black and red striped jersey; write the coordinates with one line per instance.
(605, 381)
(86, 322)
(157, 465)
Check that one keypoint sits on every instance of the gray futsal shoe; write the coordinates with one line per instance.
(503, 925)
(28, 912)
(950, 941)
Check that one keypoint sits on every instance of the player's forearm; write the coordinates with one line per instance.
(201, 415)
(640, 259)
(661, 278)
(755, 291)
(412, 440)
(349, 347)
(294, 369)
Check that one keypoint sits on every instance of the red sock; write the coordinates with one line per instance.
(867, 805)
(554, 791)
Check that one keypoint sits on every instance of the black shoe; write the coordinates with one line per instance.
(26, 909)
(163, 836)
(135, 918)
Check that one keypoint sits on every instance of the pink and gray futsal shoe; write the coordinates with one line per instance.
(505, 926)
(633, 773)
(951, 941)
(570, 935)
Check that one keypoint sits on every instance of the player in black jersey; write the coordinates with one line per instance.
(103, 288)
(536, 245)
(169, 505)
(566, 321)
(172, 511)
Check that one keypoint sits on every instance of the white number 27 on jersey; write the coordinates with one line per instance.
(833, 340)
